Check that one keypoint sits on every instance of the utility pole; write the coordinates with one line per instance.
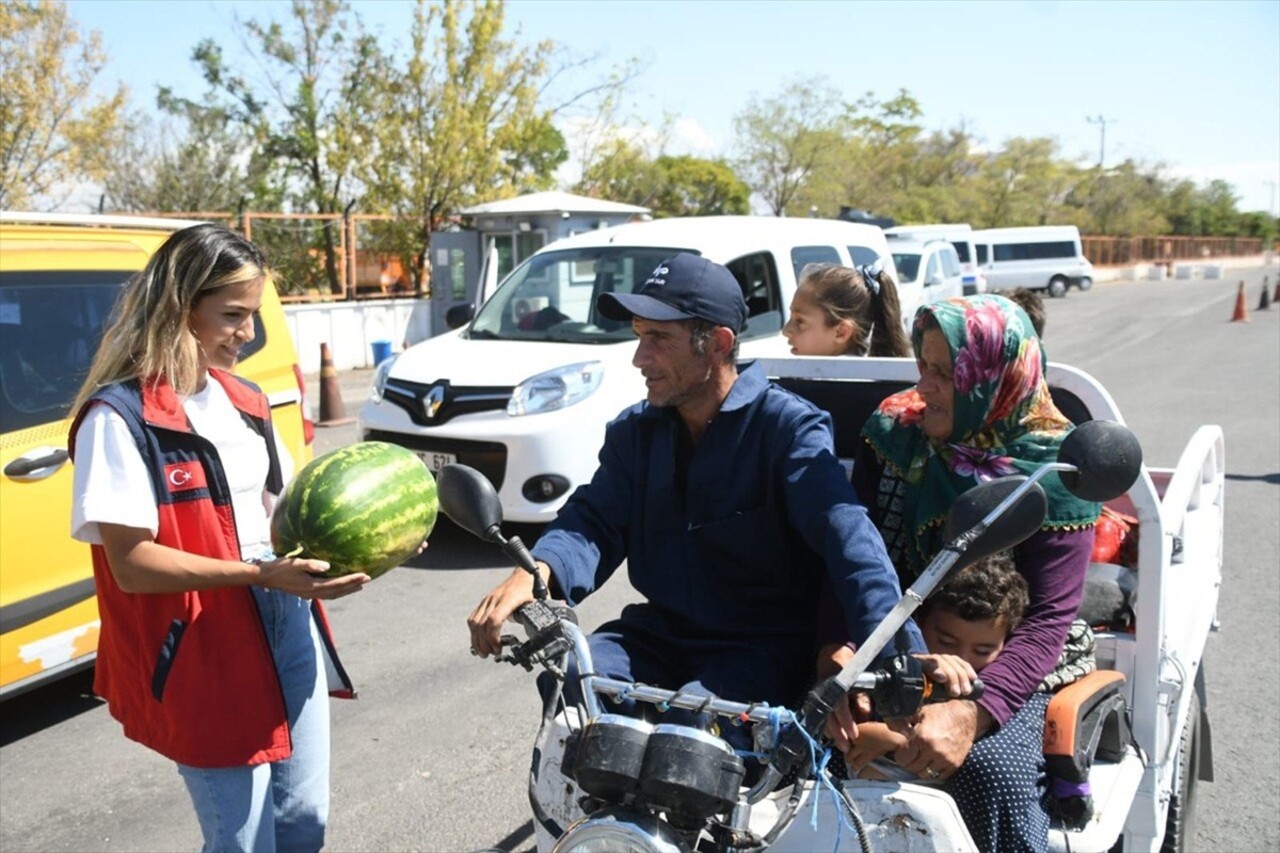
(1271, 206)
(1102, 148)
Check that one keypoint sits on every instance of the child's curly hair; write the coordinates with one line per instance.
(989, 589)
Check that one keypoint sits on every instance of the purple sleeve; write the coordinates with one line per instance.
(1054, 564)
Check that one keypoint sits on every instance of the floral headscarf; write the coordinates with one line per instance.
(1004, 422)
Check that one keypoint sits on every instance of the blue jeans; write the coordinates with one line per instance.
(284, 805)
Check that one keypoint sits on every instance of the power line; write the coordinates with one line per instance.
(1102, 147)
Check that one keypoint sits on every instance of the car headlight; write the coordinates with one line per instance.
(380, 375)
(621, 833)
(555, 389)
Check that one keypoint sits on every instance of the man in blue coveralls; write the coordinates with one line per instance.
(722, 493)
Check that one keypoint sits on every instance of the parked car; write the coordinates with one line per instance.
(524, 390)
(960, 236)
(58, 282)
(1046, 257)
(931, 267)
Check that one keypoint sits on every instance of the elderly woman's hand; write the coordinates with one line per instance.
(939, 737)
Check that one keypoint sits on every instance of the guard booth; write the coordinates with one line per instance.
(468, 262)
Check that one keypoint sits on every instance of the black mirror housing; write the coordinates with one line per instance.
(1017, 523)
(470, 501)
(459, 315)
(1107, 457)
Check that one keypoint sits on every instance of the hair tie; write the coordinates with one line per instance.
(871, 276)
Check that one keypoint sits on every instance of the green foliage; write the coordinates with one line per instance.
(692, 186)
(669, 186)
(789, 139)
(53, 132)
(457, 122)
(804, 152)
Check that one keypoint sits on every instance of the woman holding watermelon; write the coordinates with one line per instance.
(212, 652)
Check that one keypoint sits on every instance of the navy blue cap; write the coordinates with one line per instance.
(681, 288)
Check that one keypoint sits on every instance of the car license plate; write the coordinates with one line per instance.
(436, 461)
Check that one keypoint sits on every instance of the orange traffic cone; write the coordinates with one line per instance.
(1241, 314)
(332, 412)
(1264, 301)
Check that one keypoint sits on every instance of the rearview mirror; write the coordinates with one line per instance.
(470, 501)
(1017, 522)
(459, 315)
(1107, 458)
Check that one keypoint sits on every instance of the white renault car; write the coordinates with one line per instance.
(524, 390)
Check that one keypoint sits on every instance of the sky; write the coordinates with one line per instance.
(1192, 85)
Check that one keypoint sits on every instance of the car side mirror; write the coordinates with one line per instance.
(459, 315)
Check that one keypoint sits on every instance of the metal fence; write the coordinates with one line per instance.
(1119, 251)
(297, 247)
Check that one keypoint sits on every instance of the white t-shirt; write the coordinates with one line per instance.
(112, 485)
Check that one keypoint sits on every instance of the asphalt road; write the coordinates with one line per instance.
(434, 753)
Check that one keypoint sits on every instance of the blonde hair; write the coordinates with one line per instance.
(843, 294)
(148, 336)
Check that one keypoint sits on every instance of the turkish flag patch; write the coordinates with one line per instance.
(185, 476)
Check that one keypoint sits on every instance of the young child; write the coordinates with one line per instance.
(842, 311)
(1030, 302)
(970, 615)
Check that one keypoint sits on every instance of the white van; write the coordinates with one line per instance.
(524, 390)
(1046, 257)
(960, 236)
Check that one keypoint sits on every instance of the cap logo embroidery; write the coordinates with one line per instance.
(656, 278)
(185, 476)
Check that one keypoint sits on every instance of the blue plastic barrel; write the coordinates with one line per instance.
(381, 351)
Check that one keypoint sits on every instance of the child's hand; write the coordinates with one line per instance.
(874, 740)
(949, 670)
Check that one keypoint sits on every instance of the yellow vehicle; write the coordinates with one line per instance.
(59, 278)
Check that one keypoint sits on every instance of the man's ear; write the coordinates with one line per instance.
(724, 338)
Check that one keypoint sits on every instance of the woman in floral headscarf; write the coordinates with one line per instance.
(981, 410)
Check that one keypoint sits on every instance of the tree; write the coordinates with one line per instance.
(692, 186)
(786, 138)
(1022, 184)
(459, 121)
(317, 78)
(197, 160)
(1125, 200)
(53, 132)
(621, 171)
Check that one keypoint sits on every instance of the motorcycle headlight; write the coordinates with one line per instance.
(380, 375)
(617, 834)
(555, 389)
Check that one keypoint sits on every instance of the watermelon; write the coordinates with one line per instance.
(366, 507)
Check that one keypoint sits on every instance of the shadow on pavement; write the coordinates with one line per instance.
(451, 547)
(46, 706)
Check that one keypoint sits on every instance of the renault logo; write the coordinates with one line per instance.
(433, 401)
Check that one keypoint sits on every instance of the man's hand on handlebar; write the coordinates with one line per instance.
(485, 622)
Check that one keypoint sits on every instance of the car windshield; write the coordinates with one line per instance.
(908, 266)
(552, 295)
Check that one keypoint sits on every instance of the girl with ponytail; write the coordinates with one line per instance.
(846, 311)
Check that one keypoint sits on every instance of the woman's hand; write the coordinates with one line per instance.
(951, 671)
(939, 737)
(304, 578)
